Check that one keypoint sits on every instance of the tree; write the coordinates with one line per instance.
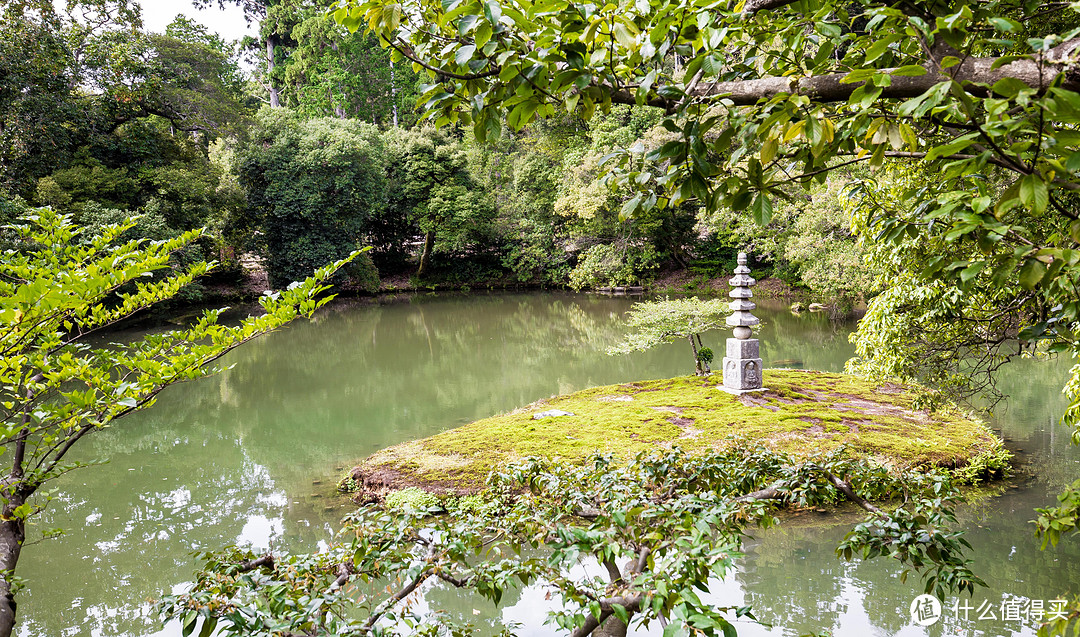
(276, 19)
(660, 322)
(312, 187)
(34, 92)
(60, 286)
(433, 189)
(332, 72)
(73, 79)
(657, 529)
(763, 94)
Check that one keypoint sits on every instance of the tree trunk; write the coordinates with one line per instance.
(275, 94)
(12, 535)
(425, 257)
(697, 361)
(393, 92)
(703, 366)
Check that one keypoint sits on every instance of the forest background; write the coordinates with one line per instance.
(301, 144)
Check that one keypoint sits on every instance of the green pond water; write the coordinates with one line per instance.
(251, 457)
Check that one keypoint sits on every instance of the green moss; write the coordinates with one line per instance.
(801, 413)
(411, 498)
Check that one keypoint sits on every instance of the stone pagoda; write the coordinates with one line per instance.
(742, 365)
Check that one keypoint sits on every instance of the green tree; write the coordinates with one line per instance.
(60, 286)
(659, 322)
(810, 240)
(276, 19)
(332, 72)
(76, 80)
(35, 92)
(434, 190)
(312, 187)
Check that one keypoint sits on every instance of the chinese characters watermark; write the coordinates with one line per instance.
(927, 610)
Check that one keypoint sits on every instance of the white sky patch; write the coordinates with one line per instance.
(228, 23)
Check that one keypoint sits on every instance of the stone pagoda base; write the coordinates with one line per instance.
(742, 366)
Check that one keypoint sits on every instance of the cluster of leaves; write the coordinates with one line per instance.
(650, 533)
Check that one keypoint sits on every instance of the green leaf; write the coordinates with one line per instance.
(762, 209)
(464, 54)
(741, 200)
(623, 35)
(208, 627)
(972, 271)
(911, 70)
(768, 150)
(483, 34)
(620, 611)
(952, 147)
(1006, 25)
(1032, 273)
(1034, 194)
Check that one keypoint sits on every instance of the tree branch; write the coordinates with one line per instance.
(266, 561)
(434, 69)
(631, 603)
(971, 74)
(845, 487)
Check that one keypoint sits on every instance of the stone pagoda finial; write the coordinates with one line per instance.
(742, 365)
(741, 319)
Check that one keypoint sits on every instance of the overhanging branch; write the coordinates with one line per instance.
(976, 75)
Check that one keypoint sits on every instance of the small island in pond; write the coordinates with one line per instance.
(800, 413)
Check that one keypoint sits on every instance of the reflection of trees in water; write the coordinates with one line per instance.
(811, 338)
(133, 528)
(793, 579)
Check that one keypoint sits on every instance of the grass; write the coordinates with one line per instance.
(801, 413)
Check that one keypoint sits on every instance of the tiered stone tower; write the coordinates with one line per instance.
(742, 365)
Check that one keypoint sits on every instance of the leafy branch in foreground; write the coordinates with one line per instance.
(618, 544)
(659, 322)
(59, 286)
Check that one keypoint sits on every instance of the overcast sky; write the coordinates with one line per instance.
(229, 24)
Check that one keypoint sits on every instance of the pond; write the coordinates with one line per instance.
(252, 456)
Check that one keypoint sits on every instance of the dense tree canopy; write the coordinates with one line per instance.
(312, 187)
(433, 189)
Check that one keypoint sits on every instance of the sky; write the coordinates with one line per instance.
(228, 23)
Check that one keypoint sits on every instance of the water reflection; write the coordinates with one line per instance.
(251, 456)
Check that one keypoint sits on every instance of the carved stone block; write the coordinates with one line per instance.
(742, 373)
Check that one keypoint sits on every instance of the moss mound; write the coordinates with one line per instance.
(802, 412)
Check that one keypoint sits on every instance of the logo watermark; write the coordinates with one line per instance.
(925, 610)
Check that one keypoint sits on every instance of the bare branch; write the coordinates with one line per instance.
(975, 74)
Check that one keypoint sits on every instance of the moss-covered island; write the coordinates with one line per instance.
(801, 412)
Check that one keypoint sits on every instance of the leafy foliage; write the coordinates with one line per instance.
(312, 186)
(61, 285)
(650, 534)
(434, 190)
(659, 322)
(332, 72)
